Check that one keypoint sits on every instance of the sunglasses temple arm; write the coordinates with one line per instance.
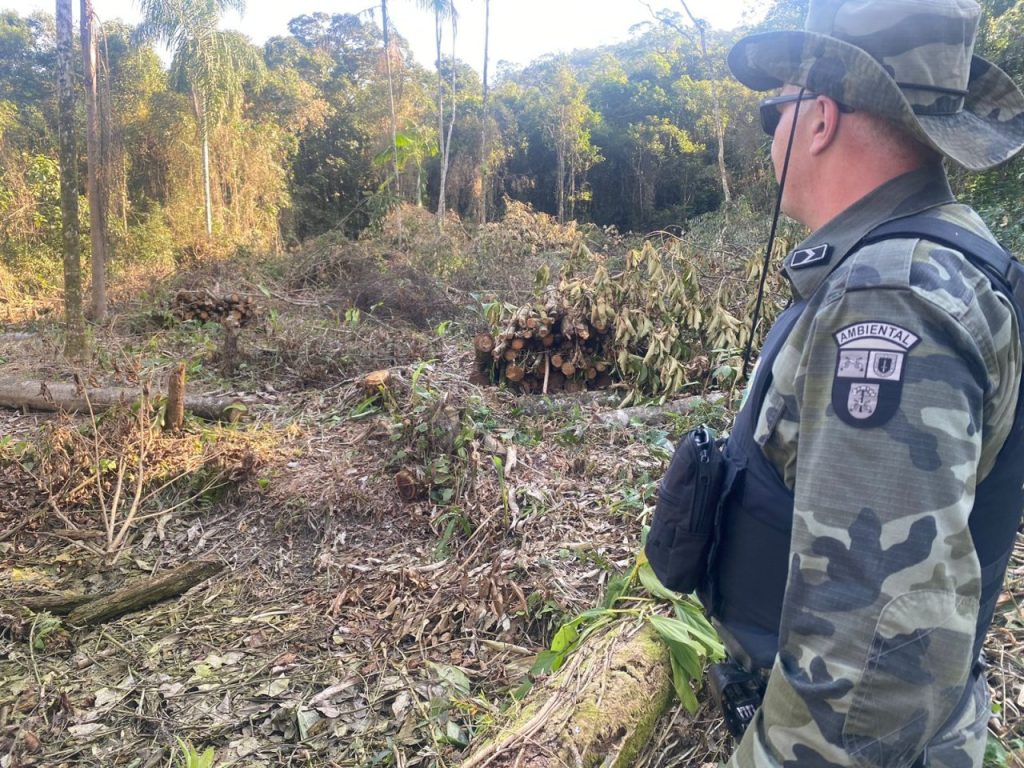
(771, 239)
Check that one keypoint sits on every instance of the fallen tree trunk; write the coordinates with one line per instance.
(655, 414)
(597, 710)
(56, 396)
(58, 605)
(143, 593)
(622, 416)
(542, 406)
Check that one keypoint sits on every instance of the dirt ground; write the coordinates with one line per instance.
(393, 561)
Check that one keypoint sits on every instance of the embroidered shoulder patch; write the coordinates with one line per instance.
(868, 383)
(809, 257)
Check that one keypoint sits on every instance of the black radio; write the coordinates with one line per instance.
(738, 694)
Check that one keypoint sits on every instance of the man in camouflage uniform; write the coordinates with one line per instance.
(893, 393)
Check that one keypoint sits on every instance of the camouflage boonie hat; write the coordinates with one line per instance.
(907, 60)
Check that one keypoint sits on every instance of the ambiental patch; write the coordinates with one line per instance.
(868, 382)
(809, 257)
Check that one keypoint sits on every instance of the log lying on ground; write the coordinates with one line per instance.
(58, 605)
(542, 406)
(622, 416)
(597, 710)
(143, 593)
(655, 414)
(55, 396)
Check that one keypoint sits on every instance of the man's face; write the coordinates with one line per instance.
(781, 138)
(797, 173)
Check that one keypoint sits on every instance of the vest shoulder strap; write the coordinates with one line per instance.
(1005, 272)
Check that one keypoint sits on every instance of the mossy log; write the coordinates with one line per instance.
(144, 593)
(597, 710)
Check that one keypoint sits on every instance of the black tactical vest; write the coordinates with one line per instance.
(750, 557)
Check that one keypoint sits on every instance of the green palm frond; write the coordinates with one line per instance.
(443, 9)
(206, 62)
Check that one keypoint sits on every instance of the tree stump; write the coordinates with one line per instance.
(229, 351)
(174, 415)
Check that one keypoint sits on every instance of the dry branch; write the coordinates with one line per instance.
(562, 403)
(143, 593)
(36, 395)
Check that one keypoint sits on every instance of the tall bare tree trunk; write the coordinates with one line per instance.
(394, 119)
(720, 135)
(482, 216)
(111, 151)
(73, 318)
(716, 107)
(440, 120)
(207, 197)
(204, 136)
(391, 95)
(97, 176)
(561, 181)
(572, 187)
(451, 123)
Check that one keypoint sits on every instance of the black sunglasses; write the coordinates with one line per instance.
(770, 114)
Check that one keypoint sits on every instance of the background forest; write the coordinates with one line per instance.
(301, 139)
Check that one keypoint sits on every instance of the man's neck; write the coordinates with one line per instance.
(834, 201)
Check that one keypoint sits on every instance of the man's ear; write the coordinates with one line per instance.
(823, 123)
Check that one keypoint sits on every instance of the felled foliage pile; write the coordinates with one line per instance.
(663, 320)
(370, 276)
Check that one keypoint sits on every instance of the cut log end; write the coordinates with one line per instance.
(515, 373)
(483, 343)
(410, 487)
(375, 381)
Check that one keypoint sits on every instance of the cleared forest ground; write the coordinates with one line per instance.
(353, 623)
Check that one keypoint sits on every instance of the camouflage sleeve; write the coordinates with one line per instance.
(889, 400)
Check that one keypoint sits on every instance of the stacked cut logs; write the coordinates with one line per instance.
(546, 348)
(235, 309)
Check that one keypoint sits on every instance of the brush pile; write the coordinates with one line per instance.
(204, 306)
(547, 347)
(663, 320)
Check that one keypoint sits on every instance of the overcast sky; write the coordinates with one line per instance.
(521, 30)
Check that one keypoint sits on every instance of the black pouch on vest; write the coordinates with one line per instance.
(684, 518)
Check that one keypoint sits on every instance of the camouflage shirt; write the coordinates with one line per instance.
(890, 401)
